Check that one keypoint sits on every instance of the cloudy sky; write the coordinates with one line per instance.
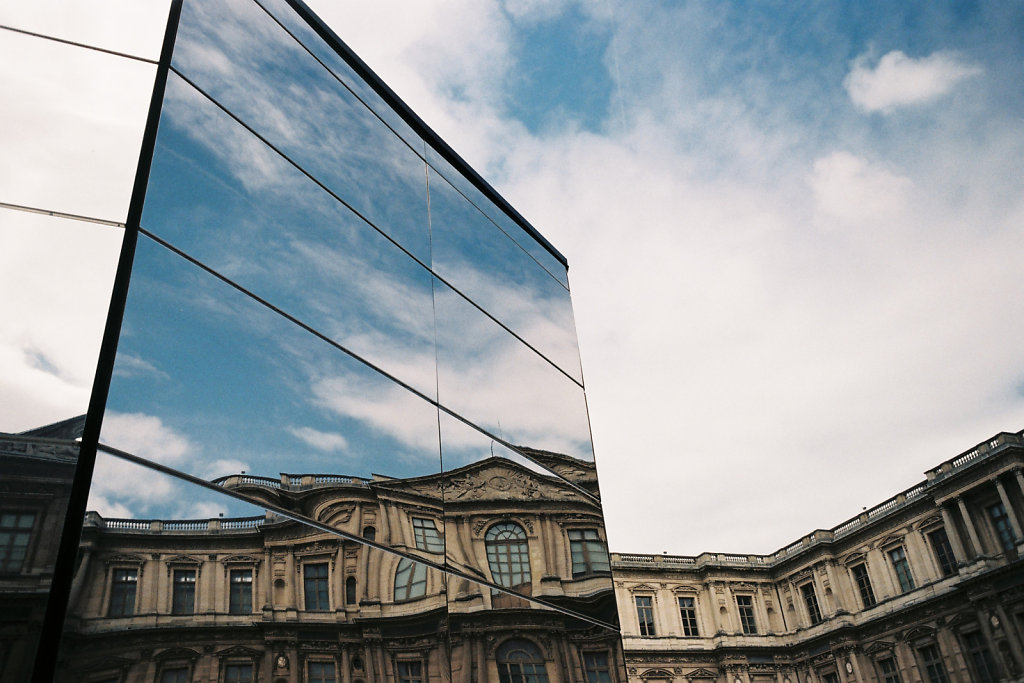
(793, 234)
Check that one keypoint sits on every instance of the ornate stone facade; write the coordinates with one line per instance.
(927, 586)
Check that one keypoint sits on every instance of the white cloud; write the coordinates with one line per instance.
(851, 189)
(146, 436)
(322, 441)
(901, 81)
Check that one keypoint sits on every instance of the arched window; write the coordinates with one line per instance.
(520, 661)
(350, 590)
(508, 554)
(370, 533)
(410, 580)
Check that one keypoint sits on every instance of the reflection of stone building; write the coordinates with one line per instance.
(927, 586)
(270, 599)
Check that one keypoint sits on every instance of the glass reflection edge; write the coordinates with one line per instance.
(61, 214)
(418, 125)
(372, 225)
(284, 512)
(86, 46)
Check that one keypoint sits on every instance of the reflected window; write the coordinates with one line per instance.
(745, 606)
(981, 658)
(15, 533)
(238, 673)
(426, 535)
(520, 661)
(863, 581)
(645, 614)
(322, 672)
(595, 666)
(898, 557)
(350, 590)
(890, 672)
(943, 552)
(315, 587)
(123, 583)
(688, 614)
(370, 533)
(508, 554)
(410, 580)
(811, 601)
(1001, 523)
(409, 671)
(240, 597)
(177, 674)
(589, 555)
(931, 662)
(183, 600)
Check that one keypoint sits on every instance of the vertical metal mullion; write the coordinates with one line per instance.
(64, 567)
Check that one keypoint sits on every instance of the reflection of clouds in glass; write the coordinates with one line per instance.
(132, 366)
(322, 441)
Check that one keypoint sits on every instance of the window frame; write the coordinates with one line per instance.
(591, 550)
(979, 648)
(942, 551)
(505, 663)
(251, 584)
(113, 584)
(888, 676)
(186, 587)
(811, 602)
(415, 576)
(748, 629)
(408, 659)
(933, 669)
(320, 661)
(688, 616)
(306, 565)
(508, 558)
(896, 564)
(593, 674)
(646, 627)
(865, 589)
(167, 667)
(1001, 528)
(6, 569)
(230, 664)
(423, 539)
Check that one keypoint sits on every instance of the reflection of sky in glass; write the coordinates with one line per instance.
(245, 388)
(243, 59)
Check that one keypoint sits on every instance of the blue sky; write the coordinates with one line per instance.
(792, 232)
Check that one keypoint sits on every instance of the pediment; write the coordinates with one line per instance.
(110, 664)
(239, 651)
(240, 559)
(931, 521)
(657, 673)
(890, 540)
(182, 559)
(176, 653)
(879, 646)
(918, 633)
(702, 673)
(643, 587)
(854, 558)
(124, 558)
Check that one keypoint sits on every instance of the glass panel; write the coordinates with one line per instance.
(503, 637)
(309, 38)
(247, 62)
(494, 380)
(71, 126)
(128, 26)
(51, 314)
(482, 262)
(286, 239)
(298, 576)
(526, 241)
(36, 471)
(212, 383)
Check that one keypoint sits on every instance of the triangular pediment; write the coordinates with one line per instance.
(702, 673)
(182, 559)
(643, 587)
(879, 646)
(240, 559)
(854, 558)
(176, 653)
(239, 651)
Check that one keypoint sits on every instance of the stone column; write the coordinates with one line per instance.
(1020, 479)
(954, 535)
(1011, 514)
(969, 523)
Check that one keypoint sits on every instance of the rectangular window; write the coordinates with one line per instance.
(410, 671)
(745, 605)
(15, 533)
(645, 614)
(240, 595)
(315, 585)
(589, 555)
(1001, 523)
(811, 601)
(860, 576)
(595, 666)
(898, 557)
(426, 535)
(183, 594)
(943, 552)
(831, 677)
(322, 672)
(122, 592)
(931, 661)
(688, 613)
(238, 673)
(890, 672)
(177, 674)
(981, 658)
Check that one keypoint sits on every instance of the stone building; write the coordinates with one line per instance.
(927, 586)
(268, 598)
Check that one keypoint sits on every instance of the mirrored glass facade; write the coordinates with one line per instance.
(337, 428)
